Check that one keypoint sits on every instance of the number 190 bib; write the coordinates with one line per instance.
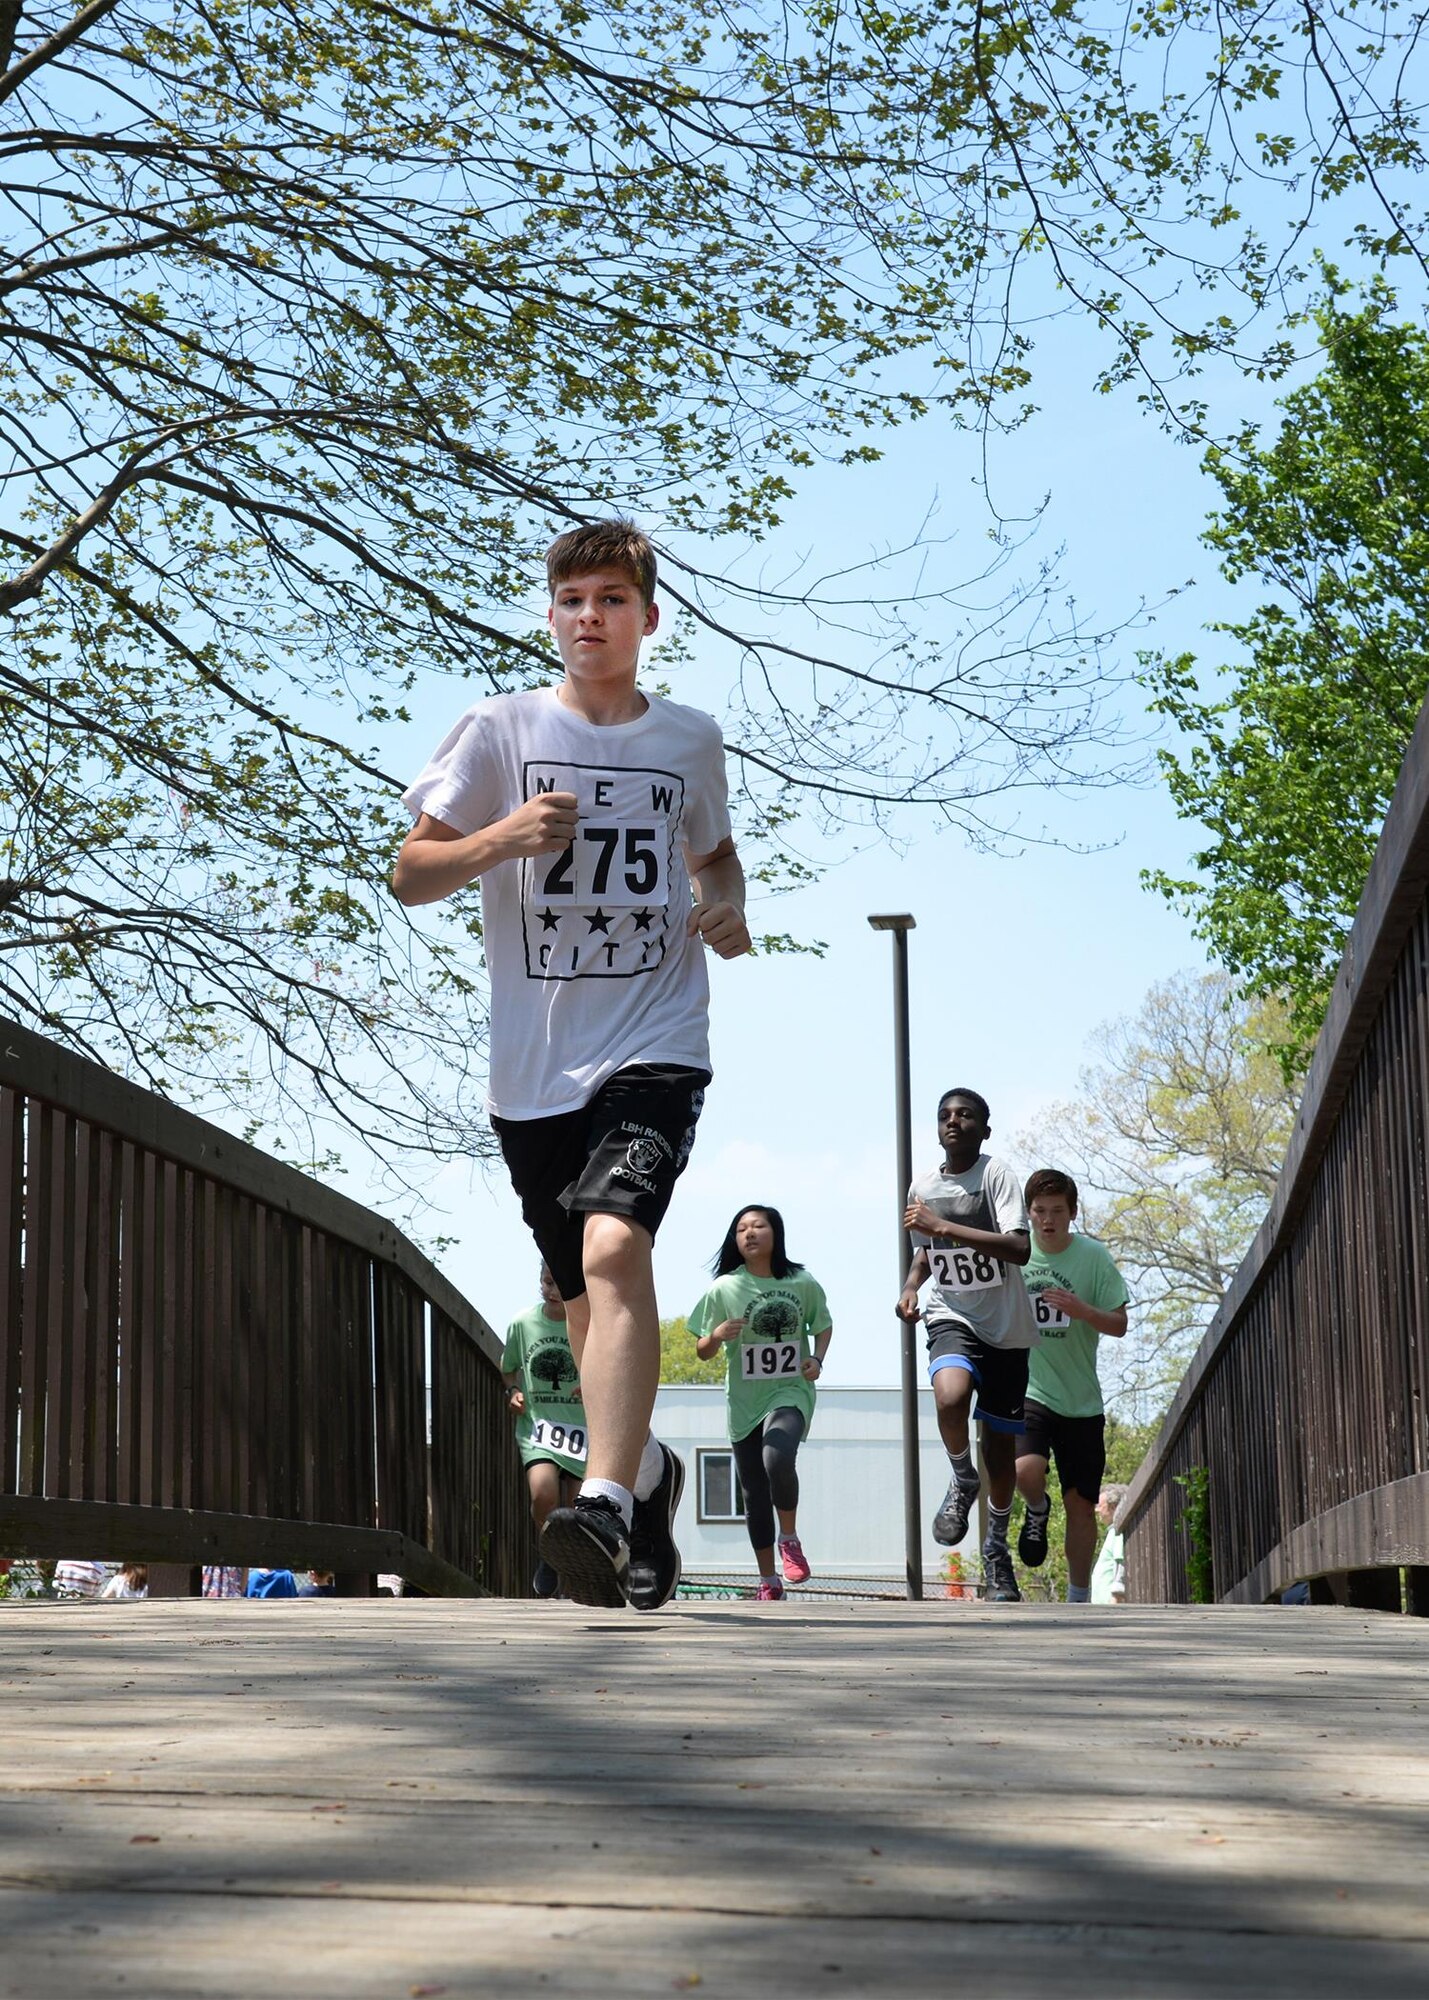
(568, 1439)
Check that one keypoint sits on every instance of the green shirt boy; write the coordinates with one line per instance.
(1062, 1374)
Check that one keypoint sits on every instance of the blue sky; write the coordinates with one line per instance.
(1017, 955)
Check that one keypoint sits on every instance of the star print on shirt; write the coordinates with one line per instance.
(550, 921)
(644, 919)
(598, 921)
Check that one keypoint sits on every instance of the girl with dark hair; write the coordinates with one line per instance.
(771, 1318)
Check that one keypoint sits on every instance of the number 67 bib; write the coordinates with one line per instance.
(955, 1268)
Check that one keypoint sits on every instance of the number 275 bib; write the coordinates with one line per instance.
(601, 908)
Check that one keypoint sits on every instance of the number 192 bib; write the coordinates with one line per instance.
(761, 1361)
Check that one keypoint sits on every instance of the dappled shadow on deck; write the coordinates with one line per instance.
(498, 1798)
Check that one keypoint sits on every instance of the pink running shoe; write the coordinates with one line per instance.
(770, 1591)
(793, 1560)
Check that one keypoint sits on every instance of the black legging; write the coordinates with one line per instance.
(765, 1460)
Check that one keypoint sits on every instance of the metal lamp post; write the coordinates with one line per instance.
(912, 1506)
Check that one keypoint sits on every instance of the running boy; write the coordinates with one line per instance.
(543, 1390)
(590, 812)
(1078, 1295)
(967, 1219)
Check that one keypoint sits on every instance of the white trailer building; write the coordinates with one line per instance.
(850, 1480)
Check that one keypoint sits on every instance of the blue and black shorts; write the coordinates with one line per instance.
(1000, 1373)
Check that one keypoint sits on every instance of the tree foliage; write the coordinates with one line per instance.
(1291, 769)
(1176, 1141)
(316, 323)
(678, 1360)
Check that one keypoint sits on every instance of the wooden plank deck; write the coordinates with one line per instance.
(480, 1798)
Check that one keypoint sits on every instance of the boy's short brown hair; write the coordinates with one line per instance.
(615, 544)
(1050, 1180)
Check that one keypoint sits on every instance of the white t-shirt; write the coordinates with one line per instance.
(969, 1285)
(591, 968)
(120, 1586)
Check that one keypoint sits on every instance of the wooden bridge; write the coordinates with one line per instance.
(206, 1357)
(366, 1800)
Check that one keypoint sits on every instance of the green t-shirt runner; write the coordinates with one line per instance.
(764, 1367)
(552, 1425)
(1062, 1374)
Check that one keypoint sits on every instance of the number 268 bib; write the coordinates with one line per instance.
(955, 1268)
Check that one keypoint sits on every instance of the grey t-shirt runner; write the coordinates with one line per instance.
(968, 1285)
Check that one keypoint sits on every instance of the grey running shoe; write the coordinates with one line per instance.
(589, 1550)
(999, 1585)
(950, 1523)
(654, 1559)
(545, 1582)
(1032, 1540)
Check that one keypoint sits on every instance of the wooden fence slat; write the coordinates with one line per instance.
(12, 1238)
(80, 1331)
(34, 1357)
(58, 1250)
(106, 1311)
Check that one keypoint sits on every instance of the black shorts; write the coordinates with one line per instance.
(1000, 1373)
(620, 1154)
(1077, 1444)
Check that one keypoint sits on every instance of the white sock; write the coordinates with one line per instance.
(652, 1467)
(1079, 1593)
(607, 1489)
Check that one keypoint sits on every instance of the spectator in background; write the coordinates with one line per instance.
(318, 1583)
(219, 1580)
(80, 1579)
(129, 1580)
(272, 1583)
(1109, 1570)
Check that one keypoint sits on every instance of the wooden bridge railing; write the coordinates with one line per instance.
(206, 1356)
(1306, 1402)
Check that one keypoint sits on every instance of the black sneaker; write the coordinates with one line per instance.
(589, 1549)
(999, 1585)
(950, 1523)
(654, 1559)
(545, 1582)
(1032, 1539)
